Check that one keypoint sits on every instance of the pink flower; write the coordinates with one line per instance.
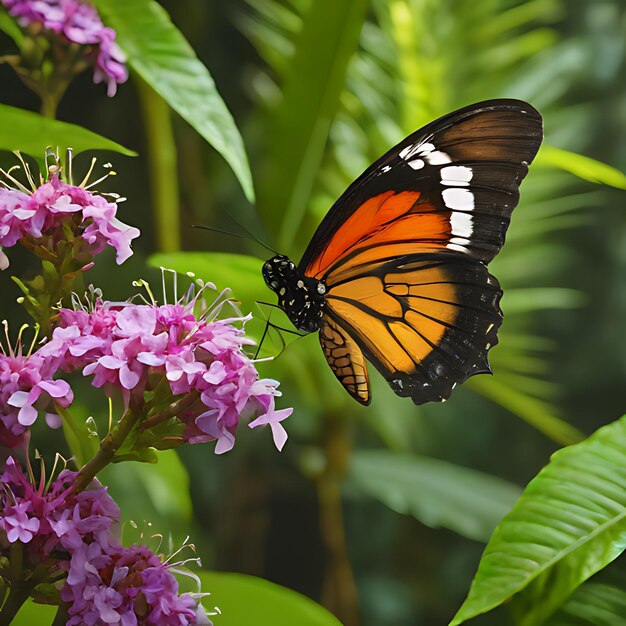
(77, 22)
(54, 519)
(131, 348)
(53, 209)
(26, 383)
(106, 583)
(18, 525)
(113, 584)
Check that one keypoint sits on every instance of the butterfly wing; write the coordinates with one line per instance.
(403, 251)
(451, 185)
(426, 321)
(345, 359)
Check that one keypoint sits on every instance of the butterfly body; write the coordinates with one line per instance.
(301, 297)
(396, 273)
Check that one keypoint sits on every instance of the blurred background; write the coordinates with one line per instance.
(380, 513)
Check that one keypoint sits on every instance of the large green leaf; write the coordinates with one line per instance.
(146, 491)
(31, 133)
(297, 135)
(161, 55)
(437, 493)
(592, 604)
(248, 600)
(569, 523)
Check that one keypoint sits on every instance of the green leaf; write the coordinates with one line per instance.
(581, 166)
(161, 55)
(297, 134)
(162, 487)
(82, 443)
(32, 613)
(9, 26)
(592, 604)
(31, 133)
(537, 413)
(435, 492)
(248, 600)
(569, 523)
(530, 299)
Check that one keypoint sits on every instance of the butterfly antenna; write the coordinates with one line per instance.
(218, 230)
(251, 235)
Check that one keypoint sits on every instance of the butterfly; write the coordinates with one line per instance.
(396, 273)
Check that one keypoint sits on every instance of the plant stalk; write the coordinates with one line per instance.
(172, 410)
(161, 148)
(339, 593)
(108, 447)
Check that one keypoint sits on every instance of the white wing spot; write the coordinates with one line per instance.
(409, 151)
(456, 175)
(458, 199)
(417, 164)
(461, 224)
(438, 158)
(458, 248)
(425, 148)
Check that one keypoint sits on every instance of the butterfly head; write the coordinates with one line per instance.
(301, 297)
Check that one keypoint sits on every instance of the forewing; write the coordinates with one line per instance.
(345, 359)
(451, 185)
(425, 321)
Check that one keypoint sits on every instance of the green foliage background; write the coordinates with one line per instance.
(318, 89)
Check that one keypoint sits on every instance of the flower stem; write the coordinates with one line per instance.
(163, 168)
(172, 410)
(49, 105)
(339, 589)
(108, 447)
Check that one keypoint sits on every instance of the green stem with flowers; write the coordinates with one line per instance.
(108, 447)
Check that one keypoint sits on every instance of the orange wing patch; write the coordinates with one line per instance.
(369, 221)
(346, 360)
(425, 321)
(400, 318)
(386, 226)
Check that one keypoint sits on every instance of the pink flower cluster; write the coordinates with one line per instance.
(24, 381)
(77, 22)
(53, 519)
(133, 348)
(44, 216)
(106, 583)
(114, 584)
